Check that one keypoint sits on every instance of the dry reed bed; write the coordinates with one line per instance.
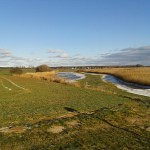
(137, 75)
(48, 76)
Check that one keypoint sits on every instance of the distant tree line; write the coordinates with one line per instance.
(41, 68)
(45, 68)
(16, 70)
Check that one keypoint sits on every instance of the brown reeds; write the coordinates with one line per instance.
(139, 75)
(49, 76)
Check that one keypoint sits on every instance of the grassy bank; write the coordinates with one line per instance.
(43, 99)
(139, 75)
(119, 127)
(49, 115)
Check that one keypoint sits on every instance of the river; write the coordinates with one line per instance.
(72, 76)
(129, 87)
(126, 86)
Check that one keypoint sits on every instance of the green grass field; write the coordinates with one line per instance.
(95, 115)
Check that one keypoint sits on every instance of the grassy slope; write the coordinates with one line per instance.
(140, 75)
(48, 99)
(109, 128)
(105, 129)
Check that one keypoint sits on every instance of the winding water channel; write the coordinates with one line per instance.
(129, 87)
(72, 76)
(126, 86)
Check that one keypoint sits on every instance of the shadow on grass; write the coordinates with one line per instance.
(70, 109)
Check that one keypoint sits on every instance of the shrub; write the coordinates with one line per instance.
(139, 65)
(16, 70)
(42, 68)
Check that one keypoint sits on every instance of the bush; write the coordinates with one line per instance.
(139, 65)
(16, 70)
(42, 68)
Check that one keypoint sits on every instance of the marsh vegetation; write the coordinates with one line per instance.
(140, 75)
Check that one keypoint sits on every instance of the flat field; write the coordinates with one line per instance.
(38, 114)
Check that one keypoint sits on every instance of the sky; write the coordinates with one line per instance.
(74, 32)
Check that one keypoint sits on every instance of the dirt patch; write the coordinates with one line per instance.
(13, 130)
(72, 123)
(69, 115)
(138, 120)
(4, 129)
(56, 129)
(148, 129)
(131, 120)
(101, 126)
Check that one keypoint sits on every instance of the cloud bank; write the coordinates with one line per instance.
(128, 56)
(54, 51)
(8, 59)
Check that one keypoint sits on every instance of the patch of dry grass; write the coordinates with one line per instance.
(140, 75)
(39, 75)
(49, 76)
(17, 129)
(56, 129)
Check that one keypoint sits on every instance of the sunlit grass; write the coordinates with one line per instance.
(31, 113)
(48, 99)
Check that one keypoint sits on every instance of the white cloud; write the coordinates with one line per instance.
(7, 59)
(54, 51)
(128, 56)
(64, 55)
(57, 53)
(5, 53)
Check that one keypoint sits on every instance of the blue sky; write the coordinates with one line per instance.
(73, 32)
